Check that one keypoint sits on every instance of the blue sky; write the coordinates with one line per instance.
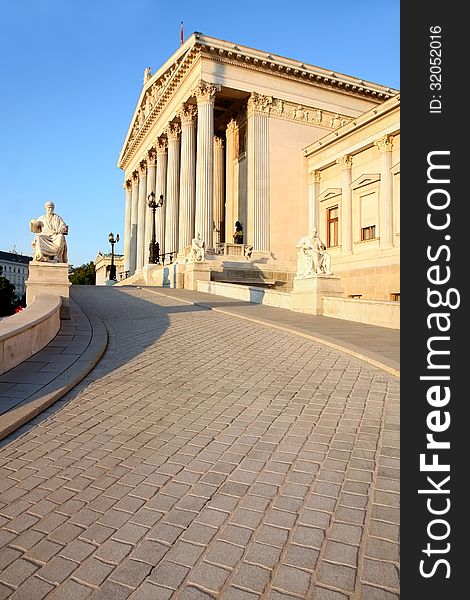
(71, 73)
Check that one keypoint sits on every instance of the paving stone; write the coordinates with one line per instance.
(131, 572)
(193, 593)
(184, 553)
(65, 533)
(57, 570)
(168, 574)
(338, 576)
(70, 590)
(382, 573)
(77, 550)
(17, 572)
(32, 589)
(373, 593)
(149, 591)
(113, 552)
(110, 590)
(7, 556)
(301, 556)
(130, 533)
(93, 572)
(291, 580)
(233, 593)
(43, 551)
(341, 553)
(209, 577)
(251, 577)
(200, 533)
(382, 549)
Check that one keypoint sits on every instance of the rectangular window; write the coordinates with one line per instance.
(368, 233)
(332, 226)
(369, 216)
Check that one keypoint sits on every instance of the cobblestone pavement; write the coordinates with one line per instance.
(204, 457)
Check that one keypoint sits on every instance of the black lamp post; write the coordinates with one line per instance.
(154, 249)
(112, 268)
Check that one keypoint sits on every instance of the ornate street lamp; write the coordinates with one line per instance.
(112, 268)
(154, 249)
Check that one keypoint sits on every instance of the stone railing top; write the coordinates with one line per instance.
(38, 311)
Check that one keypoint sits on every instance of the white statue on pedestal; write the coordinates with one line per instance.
(49, 243)
(312, 258)
(198, 248)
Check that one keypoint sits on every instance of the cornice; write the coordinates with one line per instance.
(291, 69)
(158, 89)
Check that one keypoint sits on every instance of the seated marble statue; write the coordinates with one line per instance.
(49, 243)
(198, 248)
(312, 258)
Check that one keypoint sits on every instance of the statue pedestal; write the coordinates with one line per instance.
(194, 272)
(308, 292)
(50, 279)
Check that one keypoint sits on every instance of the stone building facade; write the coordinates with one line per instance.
(354, 201)
(228, 133)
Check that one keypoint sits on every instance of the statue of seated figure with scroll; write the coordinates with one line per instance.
(49, 243)
(198, 248)
(312, 258)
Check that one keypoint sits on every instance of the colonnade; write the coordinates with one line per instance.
(186, 164)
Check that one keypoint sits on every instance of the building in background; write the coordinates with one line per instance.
(15, 268)
(102, 266)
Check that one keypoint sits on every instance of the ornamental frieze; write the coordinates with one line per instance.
(304, 114)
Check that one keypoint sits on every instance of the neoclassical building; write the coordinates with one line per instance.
(227, 133)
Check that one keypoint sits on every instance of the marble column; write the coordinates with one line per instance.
(127, 224)
(345, 163)
(219, 190)
(204, 223)
(141, 214)
(187, 114)
(172, 187)
(313, 192)
(385, 145)
(229, 158)
(160, 190)
(134, 221)
(151, 174)
(258, 173)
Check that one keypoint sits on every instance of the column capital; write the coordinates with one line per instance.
(205, 92)
(345, 162)
(385, 143)
(231, 126)
(259, 102)
(143, 167)
(135, 177)
(161, 146)
(173, 131)
(218, 142)
(151, 157)
(127, 184)
(187, 112)
(314, 177)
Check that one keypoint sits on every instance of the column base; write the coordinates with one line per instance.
(50, 279)
(308, 292)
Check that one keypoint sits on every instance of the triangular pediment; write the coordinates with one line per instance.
(329, 193)
(365, 179)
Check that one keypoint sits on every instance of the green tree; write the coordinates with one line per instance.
(83, 275)
(7, 297)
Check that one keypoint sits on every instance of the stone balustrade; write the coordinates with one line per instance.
(27, 332)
